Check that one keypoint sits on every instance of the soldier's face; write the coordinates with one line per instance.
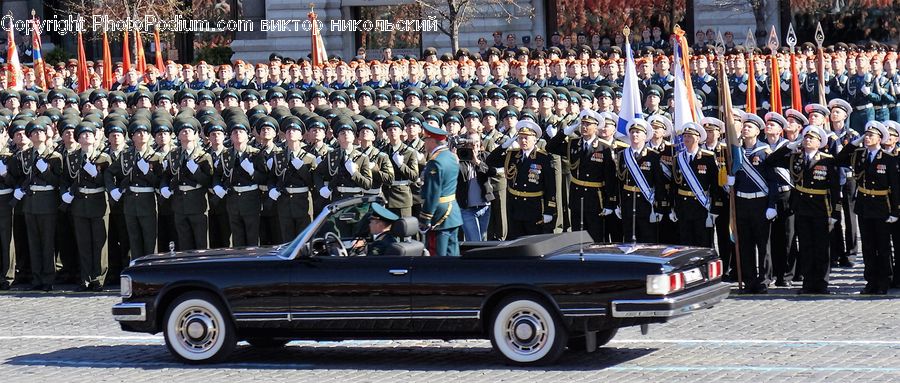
(749, 131)
(346, 137)
(816, 119)
(871, 139)
(187, 136)
(892, 140)
(526, 142)
(38, 137)
(86, 138)
(811, 142)
(588, 129)
(772, 128)
(690, 140)
(238, 137)
(638, 136)
(837, 115)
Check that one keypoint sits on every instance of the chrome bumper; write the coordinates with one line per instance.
(130, 312)
(671, 306)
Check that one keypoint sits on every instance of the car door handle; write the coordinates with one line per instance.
(398, 271)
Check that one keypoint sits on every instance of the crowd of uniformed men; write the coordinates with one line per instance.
(246, 155)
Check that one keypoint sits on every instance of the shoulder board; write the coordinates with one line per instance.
(767, 150)
(252, 150)
(620, 144)
(103, 158)
(55, 155)
(707, 152)
(309, 156)
(825, 155)
(651, 150)
(157, 156)
(277, 149)
(541, 151)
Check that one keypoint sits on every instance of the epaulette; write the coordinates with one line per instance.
(825, 155)
(103, 158)
(252, 150)
(55, 155)
(707, 152)
(651, 150)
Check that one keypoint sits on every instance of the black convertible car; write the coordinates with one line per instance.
(532, 297)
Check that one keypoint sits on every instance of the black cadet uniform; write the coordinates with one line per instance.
(693, 228)
(83, 189)
(814, 200)
(634, 206)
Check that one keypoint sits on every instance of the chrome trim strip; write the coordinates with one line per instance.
(708, 296)
(584, 312)
(356, 315)
(130, 318)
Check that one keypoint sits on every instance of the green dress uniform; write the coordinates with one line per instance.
(382, 170)
(332, 173)
(188, 194)
(117, 243)
(440, 212)
(320, 151)
(416, 188)
(292, 178)
(398, 193)
(37, 175)
(135, 189)
(219, 226)
(166, 235)
(241, 189)
(7, 257)
(269, 226)
(83, 184)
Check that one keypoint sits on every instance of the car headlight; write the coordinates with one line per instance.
(125, 286)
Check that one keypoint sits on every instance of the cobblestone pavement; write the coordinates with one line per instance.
(67, 337)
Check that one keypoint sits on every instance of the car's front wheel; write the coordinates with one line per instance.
(526, 332)
(197, 329)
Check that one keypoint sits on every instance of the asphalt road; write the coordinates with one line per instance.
(67, 337)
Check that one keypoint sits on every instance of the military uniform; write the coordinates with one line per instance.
(814, 200)
(187, 191)
(219, 225)
(135, 189)
(886, 100)
(593, 172)
(497, 221)
(844, 240)
(382, 170)
(269, 225)
(753, 198)
(332, 174)
(693, 216)
(877, 199)
(636, 208)
(7, 257)
(117, 244)
(37, 175)
(782, 235)
(166, 235)
(320, 151)
(440, 212)
(292, 178)
(241, 190)
(398, 194)
(862, 95)
(84, 187)
(530, 191)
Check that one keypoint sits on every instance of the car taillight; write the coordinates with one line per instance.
(714, 269)
(661, 284)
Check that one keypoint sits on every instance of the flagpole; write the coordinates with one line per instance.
(796, 101)
(775, 73)
(727, 116)
(820, 62)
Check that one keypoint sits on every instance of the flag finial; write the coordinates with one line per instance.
(627, 32)
(773, 43)
(720, 44)
(791, 37)
(820, 35)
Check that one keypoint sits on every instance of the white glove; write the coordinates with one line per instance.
(318, 160)
(398, 159)
(143, 165)
(296, 163)
(68, 197)
(571, 128)
(248, 167)
(655, 217)
(891, 219)
(165, 192)
(350, 166)
(325, 192)
(866, 90)
(508, 142)
(550, 130)
(729, 181)
(771, 214)
(710, 220)
(90, 169)
(827, 89)
(793, 145)
(192, 166)
(672, 216)
(269, 163)
(742, 87)
(165, 164)
(116, 194)
(371, 165)
(41, 165)
(2, 168)
(18, 193)
(274, 194)
(547, 218)
(421, 156)
(219, 190)
(857, 141)
(605, 212)
(619, 212)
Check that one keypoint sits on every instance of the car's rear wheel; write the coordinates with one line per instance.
(578, 344)
(197, 329)
(526, 332)
(267, 342)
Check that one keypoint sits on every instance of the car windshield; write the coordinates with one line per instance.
(347, 223)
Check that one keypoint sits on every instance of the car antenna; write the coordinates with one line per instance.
(581, 233)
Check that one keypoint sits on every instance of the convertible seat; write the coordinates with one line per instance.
(404, 229)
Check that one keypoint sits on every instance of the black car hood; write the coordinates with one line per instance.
(211, 255)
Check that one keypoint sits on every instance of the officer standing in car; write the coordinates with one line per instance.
(440, 217)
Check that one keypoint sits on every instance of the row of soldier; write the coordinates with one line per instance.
(242, 172)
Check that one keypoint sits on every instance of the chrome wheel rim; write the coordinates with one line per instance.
(197, 330)
(526, 332)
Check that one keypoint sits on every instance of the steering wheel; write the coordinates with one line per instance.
(341, 250)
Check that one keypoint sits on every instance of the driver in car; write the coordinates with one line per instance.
(380, 222)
